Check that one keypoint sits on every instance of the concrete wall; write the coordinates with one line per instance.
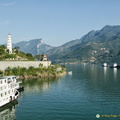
(27, 64)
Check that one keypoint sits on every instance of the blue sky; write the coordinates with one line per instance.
(55, 21)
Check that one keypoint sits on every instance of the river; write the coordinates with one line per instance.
(89, 91)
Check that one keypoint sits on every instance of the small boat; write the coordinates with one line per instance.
(70, 73)
(104, 65)
(115, 65)
(8, 89)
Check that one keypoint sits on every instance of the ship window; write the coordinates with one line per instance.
(5, 81)
(9, 92)
(1, 82)
(1, 94)
(0, 88)
(5, 93)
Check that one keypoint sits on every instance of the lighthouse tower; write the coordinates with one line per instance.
(9, 44)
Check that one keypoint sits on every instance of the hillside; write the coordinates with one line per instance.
(95, 47)
(35, 46)
(17, 54)
(56, 54)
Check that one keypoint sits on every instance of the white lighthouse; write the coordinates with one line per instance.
(9, 44)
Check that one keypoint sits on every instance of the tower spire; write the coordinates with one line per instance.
(9, 44)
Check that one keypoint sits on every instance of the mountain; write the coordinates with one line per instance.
(55, 54)
(35, 46)
(96, 47)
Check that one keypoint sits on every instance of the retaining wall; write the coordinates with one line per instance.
(27, 64)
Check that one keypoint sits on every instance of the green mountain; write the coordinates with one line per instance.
(95, 47)
(57, 54)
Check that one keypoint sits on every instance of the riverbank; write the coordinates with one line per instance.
(43, 76)
(38, 72)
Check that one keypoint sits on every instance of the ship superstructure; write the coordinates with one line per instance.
(8, 89)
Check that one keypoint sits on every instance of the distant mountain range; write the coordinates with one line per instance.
(35, 46)
(95, 47)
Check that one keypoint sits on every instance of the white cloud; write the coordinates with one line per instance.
(8, 4)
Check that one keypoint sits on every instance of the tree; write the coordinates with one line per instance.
(1, 73)
(8, 71)
(3, 46)
(16, 49)
(2, 51)
(29, 56)
(7, 50)
(38, 57)
(40, 65)
(10, 56)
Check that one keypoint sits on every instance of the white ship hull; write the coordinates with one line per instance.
(8, 90)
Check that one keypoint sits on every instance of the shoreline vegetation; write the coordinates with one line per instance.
(39, 72)
(54, 70)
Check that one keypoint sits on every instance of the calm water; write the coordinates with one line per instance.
(90, 90)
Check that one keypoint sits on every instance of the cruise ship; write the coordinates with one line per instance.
(8, 89)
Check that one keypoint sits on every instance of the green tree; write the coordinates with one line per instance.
(3, 46)
(1, 73)
(9, 56)
(8, 71)
(7, 51)
(38, 57)
(40, 65)
(2, 51)
(29, 56)
(17, 49)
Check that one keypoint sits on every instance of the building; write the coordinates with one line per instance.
(44, 57)
(9, 44)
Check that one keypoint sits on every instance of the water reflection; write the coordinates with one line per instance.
(8, 112)
(38, 85)
(99, 73)
(115, 73)
(105, 71)
(95, 78)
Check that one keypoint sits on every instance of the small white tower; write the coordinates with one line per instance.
(9, 44)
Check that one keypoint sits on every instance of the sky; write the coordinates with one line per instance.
(55, 21)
